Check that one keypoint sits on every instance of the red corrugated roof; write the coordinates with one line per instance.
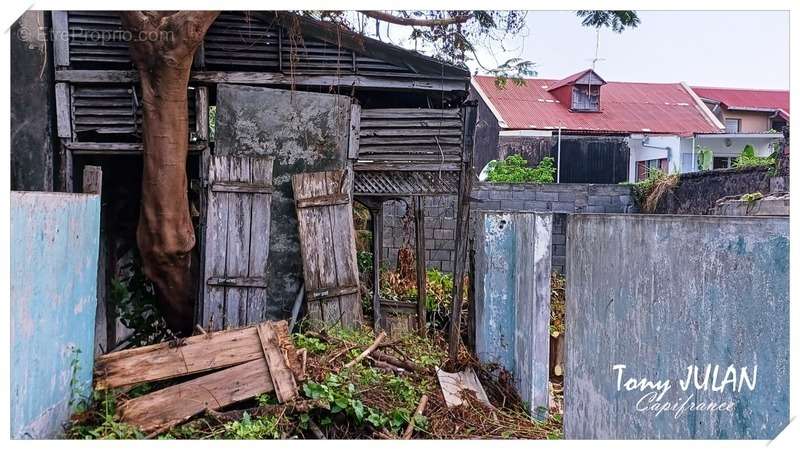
(624, 108)
(746, 98)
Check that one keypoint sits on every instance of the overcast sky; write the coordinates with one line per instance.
(714, 48)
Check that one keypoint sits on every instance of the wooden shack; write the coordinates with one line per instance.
(405, 128)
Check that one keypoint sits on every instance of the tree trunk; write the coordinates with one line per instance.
(162, 47)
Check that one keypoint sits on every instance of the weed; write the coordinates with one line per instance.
(253, 428)
(514, 169)
(311, 344)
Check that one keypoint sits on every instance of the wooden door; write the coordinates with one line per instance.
(327, 244)
(237, 241)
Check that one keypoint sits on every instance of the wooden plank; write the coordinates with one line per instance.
(323, 200)
(409, 113)
(243, 187)
(422, 275)
(331, 292)
(280, 375)
(260, 223)
(355, 131)
(60, 39)
(387, 166)
(175, 404)
(259, 282)
(214, 242)
(163, 361)
(201, 107)
(384, 81)
(238, 244)
(92, 180)
(63, 111)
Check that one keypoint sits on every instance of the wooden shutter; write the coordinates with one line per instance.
(237, 241)
(327, 244)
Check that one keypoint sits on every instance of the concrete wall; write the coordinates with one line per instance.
(512, 299)
(54, 248)
(32, 104)
(693, 291)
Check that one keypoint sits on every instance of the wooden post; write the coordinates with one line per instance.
(422, 276)
(377, 249)
(462, 228)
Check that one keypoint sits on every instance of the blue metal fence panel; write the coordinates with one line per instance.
(651, 298)
(54, 250)
(512, 298)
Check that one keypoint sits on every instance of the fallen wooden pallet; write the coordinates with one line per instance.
(254, 360)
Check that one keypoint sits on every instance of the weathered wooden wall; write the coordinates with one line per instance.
(54, 248)
(660, 293)
(512, 299)
(302, 132)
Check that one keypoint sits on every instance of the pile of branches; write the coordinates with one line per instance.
(359, 386)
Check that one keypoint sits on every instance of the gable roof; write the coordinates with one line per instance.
(624, 108)
(575, 77)
(747, 99)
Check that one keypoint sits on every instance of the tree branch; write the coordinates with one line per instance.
(407, 21)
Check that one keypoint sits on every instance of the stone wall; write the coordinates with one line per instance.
(440, 215)
(697, 192)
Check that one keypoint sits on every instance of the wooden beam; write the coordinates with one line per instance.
(117, 148)
(462, 227)
(63, 111)
(273, 78)
(422, 275)
(377, 252)
(60, 38)
(201, 111)
(355, 131)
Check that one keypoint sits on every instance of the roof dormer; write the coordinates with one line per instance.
(581, 91)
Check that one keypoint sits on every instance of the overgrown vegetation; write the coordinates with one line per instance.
(514, 169)
(134, 299)
(362, 401)
(649, 191)
(438, 293)
(558, 304)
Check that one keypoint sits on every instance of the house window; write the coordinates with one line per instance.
(586, 97)
(732, 125)
(643, 168)
(778, 125)
(723, 162)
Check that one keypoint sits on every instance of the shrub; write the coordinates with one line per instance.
(748, 158)
(514, 169)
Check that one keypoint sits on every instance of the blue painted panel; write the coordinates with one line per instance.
(661, 295)
(54, 250)
(512, 299)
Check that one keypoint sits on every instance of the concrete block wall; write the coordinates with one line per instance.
(440, 229)
(440, 215)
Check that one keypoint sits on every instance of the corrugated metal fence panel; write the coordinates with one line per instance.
(512, 299)
(54, 250)
(660, 293)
